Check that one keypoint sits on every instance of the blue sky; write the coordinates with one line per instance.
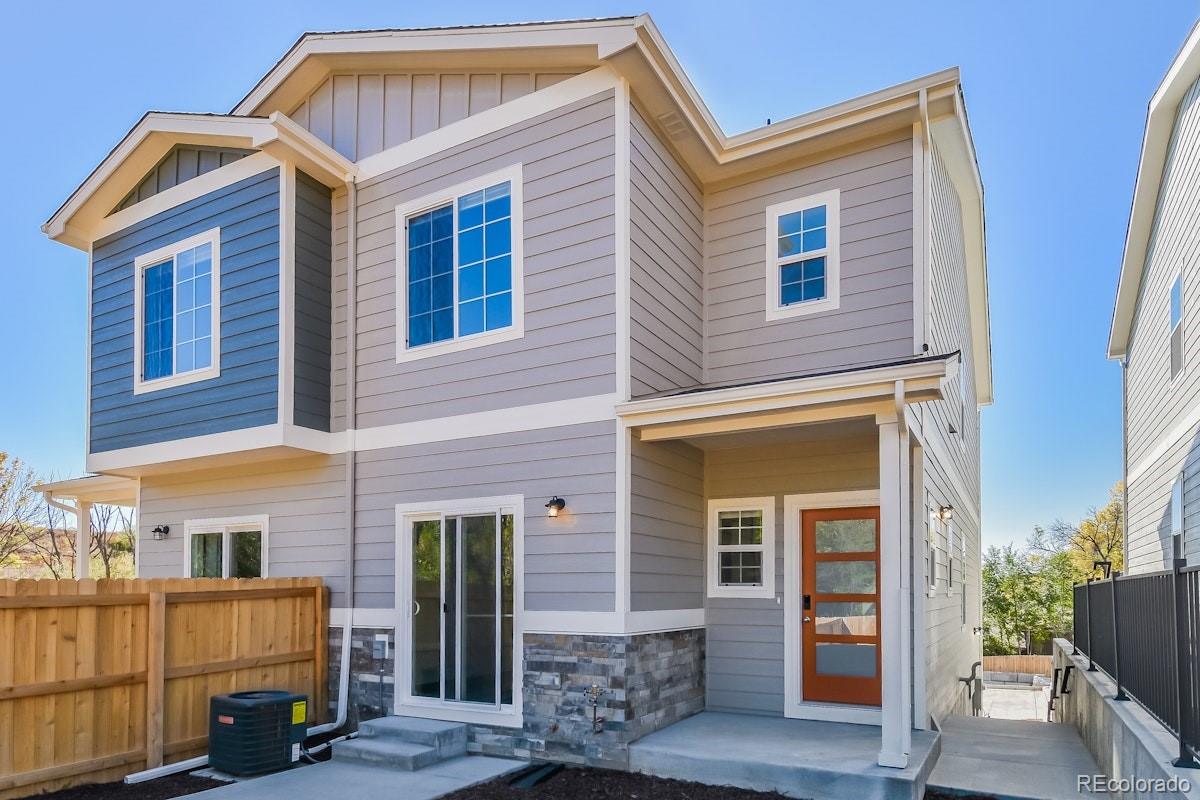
(1056, 93)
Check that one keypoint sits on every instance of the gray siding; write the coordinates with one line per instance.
(666, 265)
(246, 392)
(305, 500)
(1156, 403)
(745, 668)
(314, 298)
(875, 320)
(361, 114)
(667, 526)
(181, 164)
(568, 349)
(569, 561)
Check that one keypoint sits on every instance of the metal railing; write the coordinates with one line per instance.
(1144, 631)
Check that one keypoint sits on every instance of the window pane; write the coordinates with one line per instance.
(426, 607)
(443, 324)
(814, 240)
(470, 282)
(420, 329)
(789, 245)
(498, 239)
(507, 605)
(245, 557)
(814, 218)
(845, 536)
(419, 297)
(479, 609)
(847, 619)
(203, 352)
(206, 555)
(158, 312)
(739, 527)
(470, 246)
(498, 311)
(802, 280)
(203, 255)
(420, 229)
(430, 248)
(740, 569)
(443, 224)
(470, 210)
(852, 660)
(470, 318)
(498, 201)
(1176, 301)
(789, 223)
(499, 275)
(845, 577)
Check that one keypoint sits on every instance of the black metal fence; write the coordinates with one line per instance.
(1144, 631)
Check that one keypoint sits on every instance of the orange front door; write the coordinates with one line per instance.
(840, 605)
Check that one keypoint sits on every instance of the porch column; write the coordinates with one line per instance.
(895, 613)
(83, 538)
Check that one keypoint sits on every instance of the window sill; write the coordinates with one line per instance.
(404, 355)
(803, 309)
(747, 593)
(182, 379)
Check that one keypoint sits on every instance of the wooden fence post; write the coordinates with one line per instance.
(156, 656)
(320, 653)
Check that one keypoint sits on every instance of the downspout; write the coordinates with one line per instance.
(1125, 462)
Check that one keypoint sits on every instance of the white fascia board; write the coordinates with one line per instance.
(1156, 141)
(106, 489)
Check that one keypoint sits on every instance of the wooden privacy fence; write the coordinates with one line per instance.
(101, 678)
(1033, 665)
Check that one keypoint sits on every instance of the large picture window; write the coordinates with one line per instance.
(460, 267)
(802, 255)
(226, 548)
(177, 313)
(741, 547)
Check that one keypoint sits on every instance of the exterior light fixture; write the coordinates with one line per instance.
(1106, 566)
(161, 531)
(555, 505)
(945, 513)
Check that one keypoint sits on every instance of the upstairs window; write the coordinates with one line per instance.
(1176, 335)
(460, 267)
(177, 313)
(803, 269)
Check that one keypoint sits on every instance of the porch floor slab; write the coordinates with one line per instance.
(1011, 759)
(797, 758)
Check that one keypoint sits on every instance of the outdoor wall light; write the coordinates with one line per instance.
(945, 513)
(161, 531)
(555, 505)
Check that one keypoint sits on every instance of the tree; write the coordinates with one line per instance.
(1100, 536)
(19, 505)
(111, 534)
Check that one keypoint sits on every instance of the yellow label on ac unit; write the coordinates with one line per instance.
(299, 712)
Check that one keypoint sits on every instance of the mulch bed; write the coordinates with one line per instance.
(160, 789)
(606, 784)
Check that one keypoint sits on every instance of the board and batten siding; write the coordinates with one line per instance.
(1156, 403)
(569, 345)
(874, 322)
(303, 498)
(361, 114)
(666, 265)
(313, 304)
(667, 518)
(570, 560)
(182, 163)
(245, 394)
(745, 651)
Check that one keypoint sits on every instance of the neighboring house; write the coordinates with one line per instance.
(608, 395)
(1156, 326)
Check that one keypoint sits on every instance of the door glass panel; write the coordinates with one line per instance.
(451, 602)
(245, 556)
(206, 555)
(479, 610)
(426, 608)
(507, 601)
(845, 577)
(845, 536)
(846, 619)
(852, 660)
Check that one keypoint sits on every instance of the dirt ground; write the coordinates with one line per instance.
(161, 789)
(603, 784)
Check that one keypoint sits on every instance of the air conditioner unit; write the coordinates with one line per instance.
(250, 733)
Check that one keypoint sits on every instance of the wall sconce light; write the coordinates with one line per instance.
(555, 505)
(945, 513)
(161, 531)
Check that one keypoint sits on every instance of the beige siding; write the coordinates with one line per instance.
(361, 114)
(666, 526)
(569, 346)
(745, 636)
(875, 320)
(666, 263)
(569, 561)
(1156, 403)
(304, 499)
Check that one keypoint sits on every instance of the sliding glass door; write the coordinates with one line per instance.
(462, 594)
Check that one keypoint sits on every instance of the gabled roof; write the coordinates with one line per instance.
(1160, 123)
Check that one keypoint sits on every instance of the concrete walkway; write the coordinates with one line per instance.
(1010, 759)
(340, 780)
(1016, 701)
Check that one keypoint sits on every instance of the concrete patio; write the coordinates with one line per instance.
(798, 758)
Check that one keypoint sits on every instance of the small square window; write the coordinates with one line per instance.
(741, 542)
(802, 256)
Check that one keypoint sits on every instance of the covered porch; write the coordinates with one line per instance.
(77, 496)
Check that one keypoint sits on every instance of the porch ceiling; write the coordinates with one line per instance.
(796, 434)
(110, 490)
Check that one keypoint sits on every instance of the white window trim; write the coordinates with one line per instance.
(140, 263)
(192, 527)
(405, 703)
(832, 252)
(936, 529)
(1178, 277)
(514, 175)
(767, 506)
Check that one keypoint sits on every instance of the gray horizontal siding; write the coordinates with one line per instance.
(361, 114)
(745, 666)
(569, 561)
(246, 392)
(313, 309)
(666, 526)
(874, 322)
(666, 264)
(181, 164)
(568, 349)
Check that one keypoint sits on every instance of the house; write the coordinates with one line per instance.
(1155, 334)
(557, 384)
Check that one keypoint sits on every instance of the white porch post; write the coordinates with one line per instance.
(83, 538)
(895, 612)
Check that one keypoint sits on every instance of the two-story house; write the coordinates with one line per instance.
(1155, 328)
(554, 382)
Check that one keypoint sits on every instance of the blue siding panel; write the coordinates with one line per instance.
(245, 394)
(313, 301)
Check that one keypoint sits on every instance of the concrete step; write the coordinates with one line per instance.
(448, 738)
(391, 753)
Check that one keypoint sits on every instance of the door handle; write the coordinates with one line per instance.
(808, 619)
